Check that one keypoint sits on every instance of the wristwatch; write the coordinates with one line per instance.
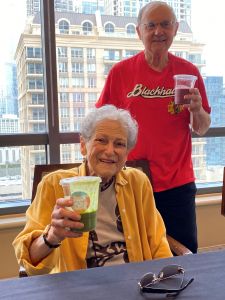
(45, 235)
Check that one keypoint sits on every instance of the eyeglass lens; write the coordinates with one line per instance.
(169, 271)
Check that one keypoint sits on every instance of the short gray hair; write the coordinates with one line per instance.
(110, 112)
(154, 3)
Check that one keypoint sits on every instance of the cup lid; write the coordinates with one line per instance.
(185, 76)
(79, 179)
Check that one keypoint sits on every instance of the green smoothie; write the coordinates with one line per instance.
(84, 191)
(89, 221)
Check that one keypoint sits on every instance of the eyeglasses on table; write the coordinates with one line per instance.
(170, 280)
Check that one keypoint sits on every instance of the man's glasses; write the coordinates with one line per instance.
(150, 26)
(170, 281)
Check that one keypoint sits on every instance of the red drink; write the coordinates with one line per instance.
(179, 96)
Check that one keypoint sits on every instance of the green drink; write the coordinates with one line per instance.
(89, 221)
(84, 191)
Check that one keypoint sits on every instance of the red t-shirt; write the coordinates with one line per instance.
(164, 136)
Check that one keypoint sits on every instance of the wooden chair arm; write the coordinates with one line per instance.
(176, 247)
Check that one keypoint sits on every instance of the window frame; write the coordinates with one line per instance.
(53, 138)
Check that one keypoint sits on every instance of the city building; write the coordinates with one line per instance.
(87, 46)
(8, 89)
(131, 8)
(215, 149)
(33, 6)
(89, 6)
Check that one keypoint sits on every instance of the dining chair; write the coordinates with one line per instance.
(40, 170)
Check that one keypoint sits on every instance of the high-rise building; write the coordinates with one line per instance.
(89, 6)
(87, 46)
(214, 148)
(33, 6)
(131, 8)
(8, 89)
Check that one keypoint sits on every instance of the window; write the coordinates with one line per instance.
(91, 82)
(34, 68)
(62, 51)
(35, 84)
(63, 67)
(129, 53)
(77, 67)
(107, 68)
(111, 54)
(91, 68)
(79, 112)
(78, 97)
(64, 97)
(77, 52)
(28, 90)
(92, 97)
(63, 27)
(77, 82)
(64, 112)
(33, 52)
(109, 28)
(91, 53)
(131, 30)
(63, 82)
(87, 28)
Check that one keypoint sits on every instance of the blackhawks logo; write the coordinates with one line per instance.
(175, 109)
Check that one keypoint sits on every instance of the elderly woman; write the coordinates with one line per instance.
(129, 227)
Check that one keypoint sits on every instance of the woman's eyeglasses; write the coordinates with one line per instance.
(170, 281)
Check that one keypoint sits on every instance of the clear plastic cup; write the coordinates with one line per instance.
(84, 191)
(183, 83)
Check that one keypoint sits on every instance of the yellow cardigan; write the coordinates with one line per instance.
(144, 230)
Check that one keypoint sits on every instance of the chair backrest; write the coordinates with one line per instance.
(223, 195)
(41, 170)
(141, 164)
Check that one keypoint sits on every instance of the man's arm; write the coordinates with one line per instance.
(200, 121)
